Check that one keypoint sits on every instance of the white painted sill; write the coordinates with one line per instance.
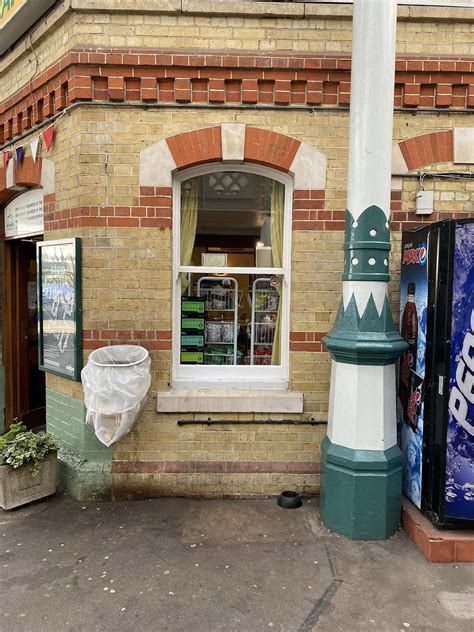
(229, 401)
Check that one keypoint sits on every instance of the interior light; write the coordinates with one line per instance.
(259, 244)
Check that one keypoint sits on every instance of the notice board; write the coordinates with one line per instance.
(60, 307)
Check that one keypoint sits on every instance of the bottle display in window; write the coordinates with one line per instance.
(221, 303)
(265, 302)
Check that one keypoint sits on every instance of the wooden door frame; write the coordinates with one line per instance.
(16, 371)
(9, 330)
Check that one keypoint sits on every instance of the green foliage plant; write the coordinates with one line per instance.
(15, 428)
(27, 447)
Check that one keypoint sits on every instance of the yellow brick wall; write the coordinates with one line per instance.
(316, 278)
(89, 138)
(424, 33)
(23, 65)
(450, 195)
(126, 272)
(127, 283)
(86, 162)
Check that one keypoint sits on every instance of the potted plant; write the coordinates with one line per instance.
(28, 462)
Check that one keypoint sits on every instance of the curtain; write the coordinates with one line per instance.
(277, 210)
(189, 214)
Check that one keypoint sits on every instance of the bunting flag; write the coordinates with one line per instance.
(48, 136)
(6, 158)
(34, 148)
(20, 154)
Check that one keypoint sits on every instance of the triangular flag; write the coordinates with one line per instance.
(6, 158)
(48, 136)
(34, 148)
(20, 154)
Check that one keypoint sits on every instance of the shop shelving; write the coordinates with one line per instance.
(265, 302)
(221, 301)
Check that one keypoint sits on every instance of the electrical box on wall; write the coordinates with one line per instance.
(424, 202)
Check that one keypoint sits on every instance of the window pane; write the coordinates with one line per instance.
(231, 219)
(226, 220)
(230, 320)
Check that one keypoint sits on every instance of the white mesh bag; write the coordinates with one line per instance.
(116, 380)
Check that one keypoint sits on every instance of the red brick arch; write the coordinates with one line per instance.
(261, 146)
(26, 175)
(427, 149)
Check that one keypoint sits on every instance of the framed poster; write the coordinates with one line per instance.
(60, 307)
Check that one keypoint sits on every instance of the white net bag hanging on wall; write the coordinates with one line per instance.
(116, 380)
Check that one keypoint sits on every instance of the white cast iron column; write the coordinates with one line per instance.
(361, 468)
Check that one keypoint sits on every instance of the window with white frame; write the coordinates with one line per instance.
(231, 252)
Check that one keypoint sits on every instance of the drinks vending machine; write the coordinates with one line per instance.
(436, 377)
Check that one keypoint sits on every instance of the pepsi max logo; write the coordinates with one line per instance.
(416, 256)
(461, 397)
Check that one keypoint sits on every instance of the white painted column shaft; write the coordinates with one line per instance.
(371, 113)
(362, 290)
(362, 409)
(362, 406)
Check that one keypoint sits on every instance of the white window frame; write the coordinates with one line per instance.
(242, 376)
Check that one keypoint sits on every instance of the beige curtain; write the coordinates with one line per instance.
(189, 214)
(277, 208)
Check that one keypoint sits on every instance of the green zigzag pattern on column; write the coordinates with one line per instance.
(360, 246)
(370, 339)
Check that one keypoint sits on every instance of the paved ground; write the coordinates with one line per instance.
(202, 566)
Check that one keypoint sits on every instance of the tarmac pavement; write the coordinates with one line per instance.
(179, 565)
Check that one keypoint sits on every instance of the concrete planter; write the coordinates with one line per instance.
(18, 487)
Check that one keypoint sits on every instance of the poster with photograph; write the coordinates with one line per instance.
(60, 309)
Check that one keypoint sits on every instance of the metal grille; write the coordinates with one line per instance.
(264, 333)
(218, 298)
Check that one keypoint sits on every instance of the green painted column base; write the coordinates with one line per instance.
(361, 491)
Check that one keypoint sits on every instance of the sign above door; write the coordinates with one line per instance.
(24, 216)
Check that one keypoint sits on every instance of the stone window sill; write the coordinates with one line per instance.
(229, 401)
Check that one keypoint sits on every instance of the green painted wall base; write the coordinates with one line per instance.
(85, 464)
(84, 480)
(361, 491)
